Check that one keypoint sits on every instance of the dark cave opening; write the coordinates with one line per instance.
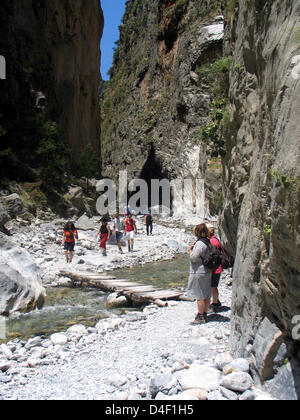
(170, 40)
(153, 170)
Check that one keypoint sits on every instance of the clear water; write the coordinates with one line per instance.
(65, 307)
(163, 275)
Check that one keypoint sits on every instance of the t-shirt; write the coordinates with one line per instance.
(130, 225)
(118, 225)
(104, 230)
(70, 235)
(200, 252)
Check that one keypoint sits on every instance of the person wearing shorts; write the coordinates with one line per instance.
(68, 241)
(199, 285)
(118, 231)
(216, 275)
(131, 231)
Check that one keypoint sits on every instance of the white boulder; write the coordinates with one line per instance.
(20, 286)
(59, 339)
(200, 377)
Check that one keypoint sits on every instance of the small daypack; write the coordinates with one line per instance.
(69, 234)
(227, 259)
(214, 257)
(149, 219)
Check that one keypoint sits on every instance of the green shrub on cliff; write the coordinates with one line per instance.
(230, 6)
(216, 76)
(218, 200)
(89, 163)
(32, 150)
(8, 157)
(51, 155)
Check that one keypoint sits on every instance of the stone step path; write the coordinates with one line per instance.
(138, 294)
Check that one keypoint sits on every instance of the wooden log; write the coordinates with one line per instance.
(136, 292)
(113, 285)
(98, 277)
(114, 281)
(184, 298)
(162, 294)
(91, 274)
(140, 289)
(83, 275)
(161, 303)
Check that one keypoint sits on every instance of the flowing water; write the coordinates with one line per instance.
(65, 307)
(164, 275)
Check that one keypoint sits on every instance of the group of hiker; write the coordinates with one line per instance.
(121, 227)
(208, 258)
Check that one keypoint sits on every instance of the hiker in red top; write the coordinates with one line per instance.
(131, 230)
(216, 275)
(68, 241)
(105, 233)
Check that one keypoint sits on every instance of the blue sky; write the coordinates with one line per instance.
(113, 12)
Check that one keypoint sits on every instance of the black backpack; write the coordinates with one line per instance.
(227, 259)
(214, 257)
(149, 219)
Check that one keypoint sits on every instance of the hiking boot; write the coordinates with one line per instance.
(215, 307)
(200, 319)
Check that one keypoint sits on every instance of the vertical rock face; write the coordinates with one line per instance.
(20, 284)
(52, 51)
(154, 106)
(262, 179)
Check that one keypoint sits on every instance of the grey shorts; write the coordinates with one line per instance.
(119, 236)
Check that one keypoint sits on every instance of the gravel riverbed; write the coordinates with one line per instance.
(155, 354)
(152, 354)
(43, 241)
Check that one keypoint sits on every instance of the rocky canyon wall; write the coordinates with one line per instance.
(262, 177)
(153, 113)
(52, 52)
(155, 104)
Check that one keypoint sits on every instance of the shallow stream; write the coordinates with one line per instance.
(65, 307)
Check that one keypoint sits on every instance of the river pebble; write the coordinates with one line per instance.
(153, 354)
(135, 356)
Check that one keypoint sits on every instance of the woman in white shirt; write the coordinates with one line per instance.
(199, 286)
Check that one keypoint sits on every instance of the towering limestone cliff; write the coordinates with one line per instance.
(155, 104)
(262, 179)
(52, 52)
(163, 116)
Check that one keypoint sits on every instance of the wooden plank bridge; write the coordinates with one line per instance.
(137, 293)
